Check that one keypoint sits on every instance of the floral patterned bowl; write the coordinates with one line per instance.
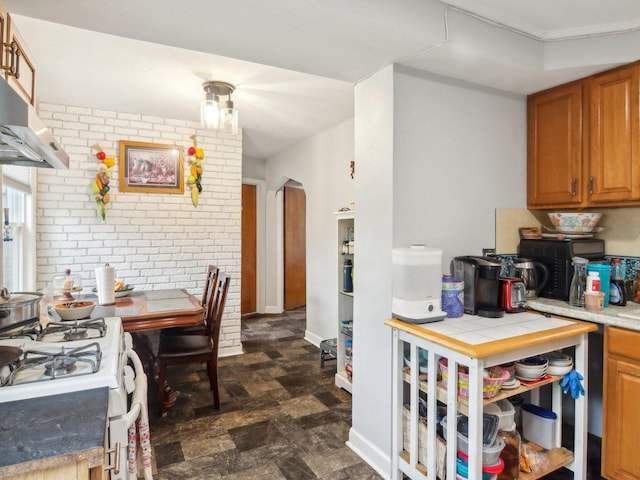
(572, 222)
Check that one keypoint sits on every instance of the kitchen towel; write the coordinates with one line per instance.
(105, 279)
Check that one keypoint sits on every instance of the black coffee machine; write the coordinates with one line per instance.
(481, 277)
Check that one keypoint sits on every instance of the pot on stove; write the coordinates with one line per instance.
(18, 309)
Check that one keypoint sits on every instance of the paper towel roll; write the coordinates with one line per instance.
(105, 277)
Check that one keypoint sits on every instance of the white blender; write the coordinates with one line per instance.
(417, 284)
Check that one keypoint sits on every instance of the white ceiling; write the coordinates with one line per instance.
(295, 62)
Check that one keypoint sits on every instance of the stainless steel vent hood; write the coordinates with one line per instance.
(24, 139)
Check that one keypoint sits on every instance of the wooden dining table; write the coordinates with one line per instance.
(154, 310)
(145, 310)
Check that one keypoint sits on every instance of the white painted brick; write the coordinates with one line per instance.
(153, 240)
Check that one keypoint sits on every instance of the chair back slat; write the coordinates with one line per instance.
(216, 310)
(209, 284)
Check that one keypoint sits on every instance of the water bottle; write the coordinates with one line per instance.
(347, 276)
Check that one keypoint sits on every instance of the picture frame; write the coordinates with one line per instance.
(151, 167)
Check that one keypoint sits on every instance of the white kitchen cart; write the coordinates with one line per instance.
(478, 343)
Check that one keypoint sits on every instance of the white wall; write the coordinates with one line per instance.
(436, 157)
(322, 165)
(370, 435)
(154, 241)
(459, 153)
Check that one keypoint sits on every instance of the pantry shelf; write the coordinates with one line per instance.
(463, 402)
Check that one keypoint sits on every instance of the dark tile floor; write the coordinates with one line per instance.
(281, 416)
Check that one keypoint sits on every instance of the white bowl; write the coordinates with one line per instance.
(74, 310)
(558, 359)
(574, 222)
(559, 369)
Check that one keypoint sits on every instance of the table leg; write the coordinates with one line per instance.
(143, 347)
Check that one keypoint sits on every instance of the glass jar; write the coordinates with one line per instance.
(636, 287)
(510, 453)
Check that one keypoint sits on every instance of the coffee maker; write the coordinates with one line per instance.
(481, 277)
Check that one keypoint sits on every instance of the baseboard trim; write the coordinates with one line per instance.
(371, 454)
(272, 309)
(312, 338)
(230, 352)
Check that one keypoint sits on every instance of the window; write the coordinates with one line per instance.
(18, 239)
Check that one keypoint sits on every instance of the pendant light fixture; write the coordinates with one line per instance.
(214, 115)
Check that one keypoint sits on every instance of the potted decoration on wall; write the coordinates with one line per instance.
(100, 185)
(196, 155)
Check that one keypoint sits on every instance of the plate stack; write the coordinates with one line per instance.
(532, 368)
(559, 363)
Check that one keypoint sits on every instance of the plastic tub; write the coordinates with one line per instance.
(504, 410)
(490, 454)
(604, 271)
(539, 426)
(488, 471)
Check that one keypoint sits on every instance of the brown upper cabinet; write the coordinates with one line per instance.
(583, 142)
(17, 66)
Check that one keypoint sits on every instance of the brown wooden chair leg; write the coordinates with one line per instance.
(212, 367)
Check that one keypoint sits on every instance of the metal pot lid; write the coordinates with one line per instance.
(21, 297)
(9, 355)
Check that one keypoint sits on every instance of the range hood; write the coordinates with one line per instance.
(24, 139)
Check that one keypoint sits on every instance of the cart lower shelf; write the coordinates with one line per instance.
(554, 459)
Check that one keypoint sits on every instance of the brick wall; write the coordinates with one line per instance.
(154, 241)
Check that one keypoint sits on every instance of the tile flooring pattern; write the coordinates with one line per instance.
(281, 415)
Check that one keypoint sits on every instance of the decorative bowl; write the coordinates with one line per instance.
(74, 310)
(574, 222)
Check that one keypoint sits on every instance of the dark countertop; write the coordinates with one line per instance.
(53, 430)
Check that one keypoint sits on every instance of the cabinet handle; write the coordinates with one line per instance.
(591, 183)
(116, 459)
(574, 184)
(11, 50)
(16, 72)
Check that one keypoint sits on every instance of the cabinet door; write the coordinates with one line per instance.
(3, 35)
(20, 71)
(554, 147)
(614, 172)
(621, 416)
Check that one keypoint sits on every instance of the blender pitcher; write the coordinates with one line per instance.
(579, 282)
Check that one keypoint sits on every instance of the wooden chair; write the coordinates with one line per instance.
(180, 349)
(207, 291)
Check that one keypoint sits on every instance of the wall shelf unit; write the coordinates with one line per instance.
(345, 252)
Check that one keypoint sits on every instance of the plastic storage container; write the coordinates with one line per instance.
(605, 278)
(539, 426)
(490, 453)
(504, 410)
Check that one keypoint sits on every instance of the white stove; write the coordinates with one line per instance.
(96, 355)
(31, 380)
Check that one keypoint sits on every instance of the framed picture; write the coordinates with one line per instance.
(151, 168)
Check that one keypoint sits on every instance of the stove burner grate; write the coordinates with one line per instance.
(31, 330)
(76, 330)
(56, 364)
